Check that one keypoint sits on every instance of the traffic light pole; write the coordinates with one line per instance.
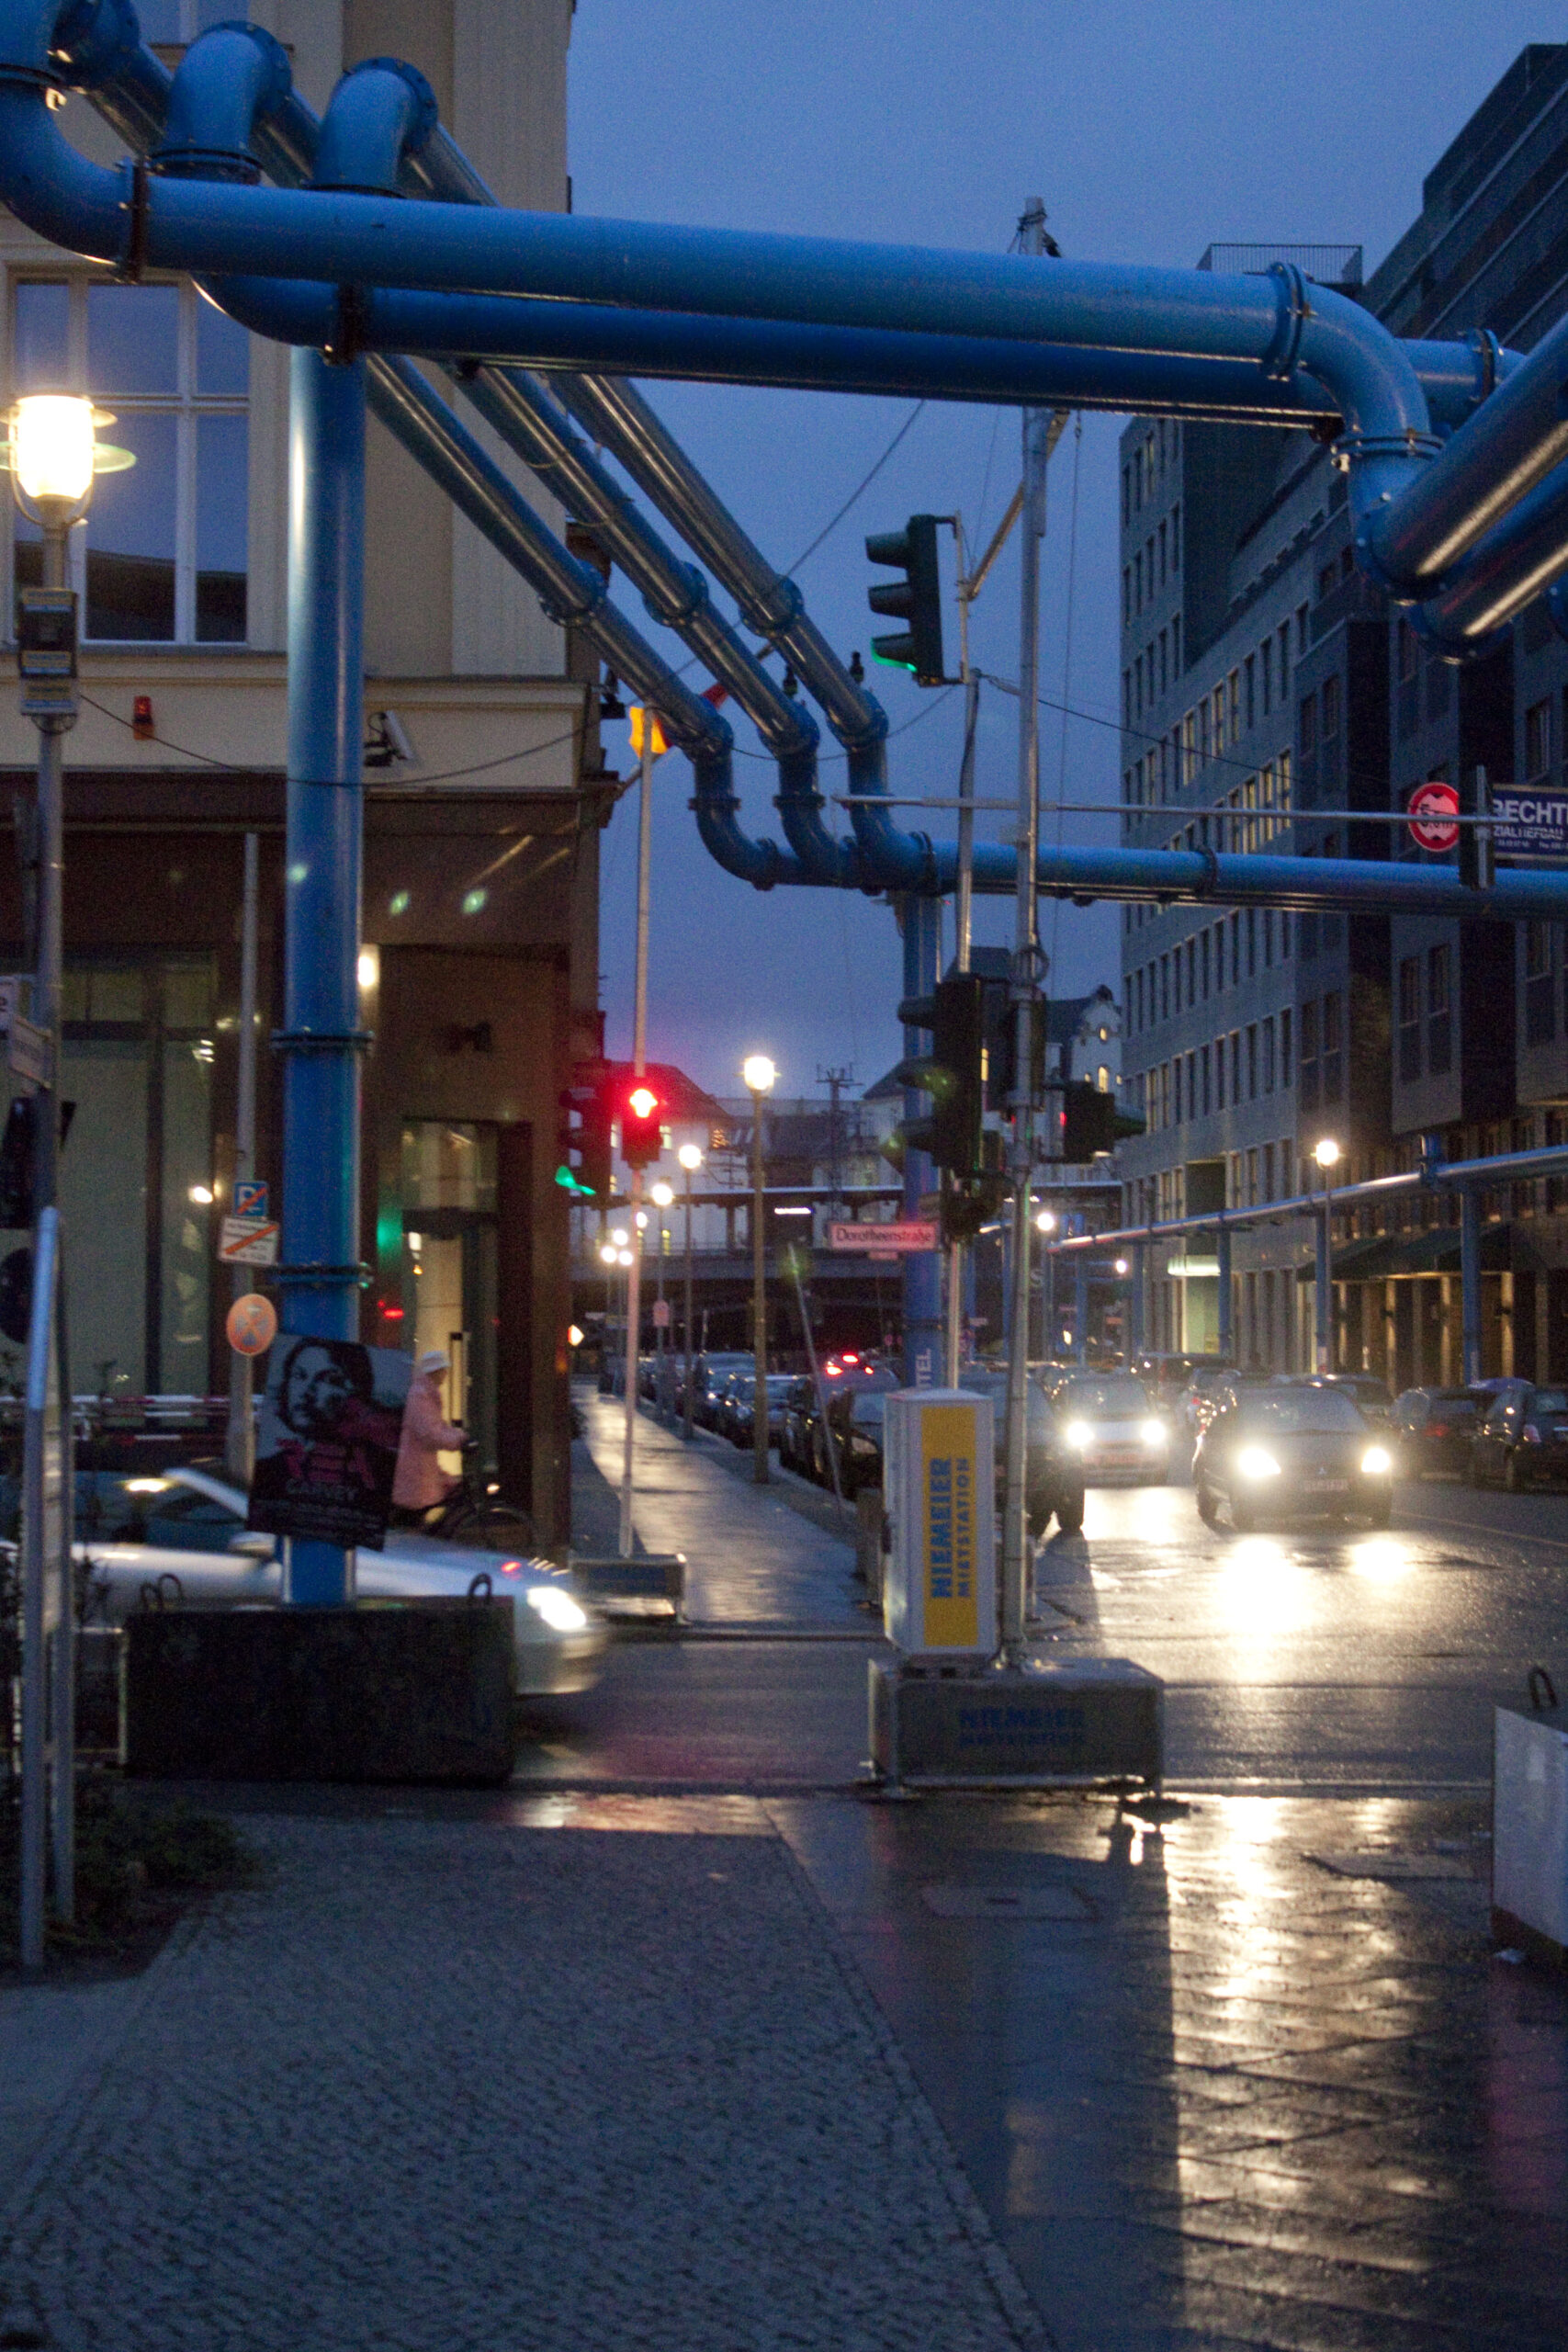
(1026, 979)
(639, 1065)
(962, 924)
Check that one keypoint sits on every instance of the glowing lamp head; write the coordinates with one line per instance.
(690, 1156)
(758, 1073)
(642, 1101)
(619, 1236)
(574, 1335)
(1047, 1221)
(662, 1194)
(52, 453)
(1122, 1265)
(1326, 1153)
(610, 1254)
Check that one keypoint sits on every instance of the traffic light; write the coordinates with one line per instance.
(916, 599)
(952, 1074)
(642, 1130)
(586, 1103)
(1001, 1048)
(970, 1203)
(1091, 1123)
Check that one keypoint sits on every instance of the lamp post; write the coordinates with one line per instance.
(759, 1075)
(691, 1158)
(52, 455)
(1326, 1154)
(662, 1194)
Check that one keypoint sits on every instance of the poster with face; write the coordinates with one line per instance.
(327, 1443)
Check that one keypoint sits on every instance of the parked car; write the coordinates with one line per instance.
(842, 1375)
(1055, 1472)
(853, 1428)
(742, 1423)
(1168, 1377)
(1433, 1429)
(1523, 1441)
(1290, 1450)
(709, 1375)
(795, 1425)
(184, 1531)
(733, 1396)
(1108, 1422)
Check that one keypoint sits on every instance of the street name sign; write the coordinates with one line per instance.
(1529, 821)
(248, 1241)
(884, 1240)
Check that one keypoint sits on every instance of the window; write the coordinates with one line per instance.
(1439, 1019)
(1126, 594)
(1236, 1066)
(1175, 540)
(1235, 951)
(1165, 988)
(1251, 943)
(1162, 552)
(1164, 663)
(1333, 1059)
(1268, 1056)
(1203, 1079)
(1126, 495)
(1203, 966)
(1330, 700)
(1309, 1074)
(1266, 663)
(1232, 689)
(162, 556)
(1409, 653)
(1252, 1179)
(1252, 1062)
(1189, 749)
(1285, 1047)
(1409, 1019)
(1219, 1074)
(1537, 741)
(1540, 1008)
(1268, 1171)
(1191, 973)
(1308, 729)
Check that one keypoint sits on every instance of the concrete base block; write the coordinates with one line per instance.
(1063, 1723)
(400, 1692)
(631, 1587)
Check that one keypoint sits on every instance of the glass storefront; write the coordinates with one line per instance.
(136, 1177)
(450, 1293)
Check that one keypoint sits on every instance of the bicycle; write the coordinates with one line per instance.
(474, 1515)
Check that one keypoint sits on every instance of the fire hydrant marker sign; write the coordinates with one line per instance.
(327, 1445)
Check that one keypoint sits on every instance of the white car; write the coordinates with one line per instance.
(197, 1547)
(1107, 1420)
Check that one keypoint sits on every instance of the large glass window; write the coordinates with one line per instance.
(162, 558)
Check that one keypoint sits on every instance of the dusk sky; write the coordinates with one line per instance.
(1150, 132)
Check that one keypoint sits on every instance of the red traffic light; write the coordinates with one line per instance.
(642, 1131)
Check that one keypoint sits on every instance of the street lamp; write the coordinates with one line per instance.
(52, 455)
(758, 1074)
(691, 1158)
(1326, 1154)
(662, 1194)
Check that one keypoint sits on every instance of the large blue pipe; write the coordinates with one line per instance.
(321, 1041)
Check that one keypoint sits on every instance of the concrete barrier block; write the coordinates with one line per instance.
(1064, 1723)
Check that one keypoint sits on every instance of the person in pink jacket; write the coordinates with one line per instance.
(420, 1482)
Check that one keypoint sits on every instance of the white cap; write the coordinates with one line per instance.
(433, 1360)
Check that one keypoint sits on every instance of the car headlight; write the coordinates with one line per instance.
(1079, 1435)
(1377, 1462)
(1152, 1432)
(559, 1611)
(1253, 1462)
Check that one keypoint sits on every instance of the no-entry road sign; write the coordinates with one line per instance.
(884, 1240)
(1432, 808)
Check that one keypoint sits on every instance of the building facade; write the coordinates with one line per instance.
(486, 796)
(1271, 699)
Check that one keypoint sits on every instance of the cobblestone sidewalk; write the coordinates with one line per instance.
(528, 2090)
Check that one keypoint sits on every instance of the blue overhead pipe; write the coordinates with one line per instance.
(1520, 556)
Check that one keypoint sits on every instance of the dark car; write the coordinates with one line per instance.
(1054, 1474)
(709, 1375)
(794, 1426)
(1369, 1393)
(741, 1420)
(1433, 1429)
(841, 1376)
(853, 1428)
(1523, 1442)
(1293, 1450)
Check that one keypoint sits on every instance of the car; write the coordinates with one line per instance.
(733, 1399)
(1295, 1449)
(1523, 1441)
(1368, 1391)
(1054, 1473)
(1433, 1429)
(795, 1425)
(183, 1533)
(709, 1375)
(853, 1428)
(1168, 1377)
(1108, 1421)
(845, 1374)
(742, 1398)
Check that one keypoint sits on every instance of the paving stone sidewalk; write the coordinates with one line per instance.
(445, 2085)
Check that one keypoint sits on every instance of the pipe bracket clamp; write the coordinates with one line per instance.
(1293, 310)
(1211, 882)
(780, 609)
(315, 1275)
(321, 1041)
(1356, 448)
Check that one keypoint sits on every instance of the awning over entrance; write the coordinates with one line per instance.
(1386, 1256)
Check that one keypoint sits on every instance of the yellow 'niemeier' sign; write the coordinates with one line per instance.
(947, 1503)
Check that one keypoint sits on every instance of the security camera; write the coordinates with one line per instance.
(386, 741)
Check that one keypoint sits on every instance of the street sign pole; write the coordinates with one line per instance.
(639, 1065)
(240, 1449)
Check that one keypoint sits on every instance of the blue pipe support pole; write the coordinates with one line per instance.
(1470, 1282)
(1226, 1332)
(921, 920)
(321, 1040)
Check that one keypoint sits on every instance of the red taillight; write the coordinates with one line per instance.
(512, 1567)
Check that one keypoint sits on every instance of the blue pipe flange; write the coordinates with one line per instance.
(230, 79)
